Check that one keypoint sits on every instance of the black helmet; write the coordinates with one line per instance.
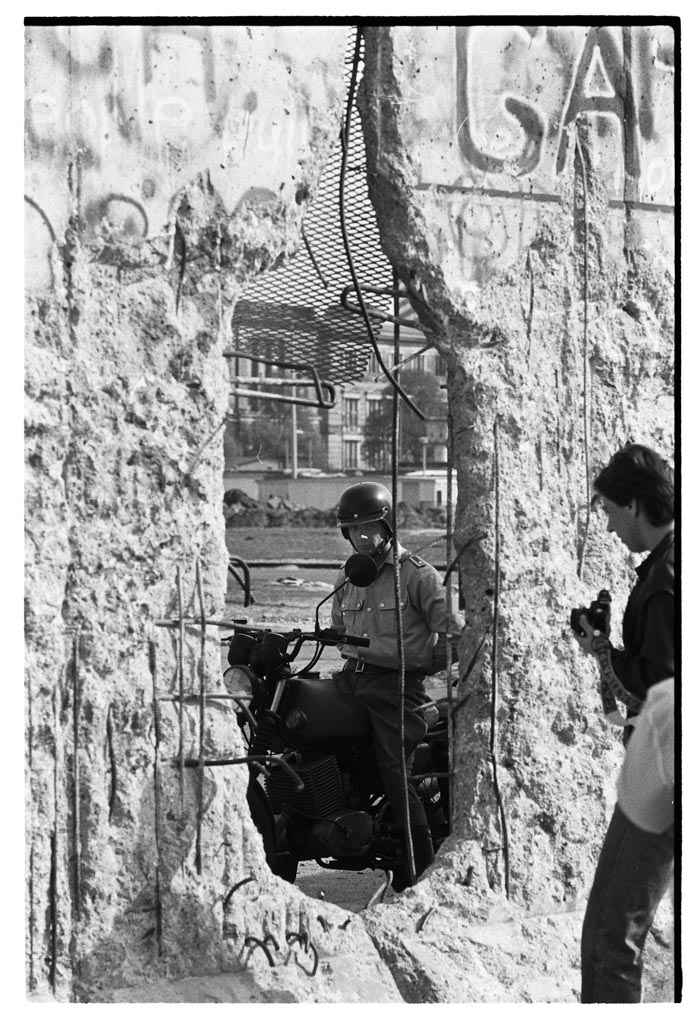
(365, 503)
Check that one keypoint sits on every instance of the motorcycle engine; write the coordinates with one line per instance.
(321, 825)
(344, 834)
(322, 792)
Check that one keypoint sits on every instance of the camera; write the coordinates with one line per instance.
(598, 614)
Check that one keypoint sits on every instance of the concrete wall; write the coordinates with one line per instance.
(167, 166)
(119, 120)
(523, 181)
(495, 134)
(164, 167)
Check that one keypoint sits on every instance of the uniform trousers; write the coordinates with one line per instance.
(378, 690)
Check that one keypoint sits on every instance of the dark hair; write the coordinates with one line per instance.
(638, 473)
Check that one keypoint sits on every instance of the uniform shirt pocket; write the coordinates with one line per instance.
(351, 608)
(383, 613)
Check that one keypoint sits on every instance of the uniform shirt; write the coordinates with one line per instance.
(370, 612)
(648, 628)
(646, 786)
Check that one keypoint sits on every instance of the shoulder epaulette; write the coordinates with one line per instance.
(415, 559)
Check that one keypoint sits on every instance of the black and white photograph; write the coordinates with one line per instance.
(351, 576)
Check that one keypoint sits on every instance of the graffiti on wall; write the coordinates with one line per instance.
(153, 87)
(133, 113)
(498, 144)
(613, 79)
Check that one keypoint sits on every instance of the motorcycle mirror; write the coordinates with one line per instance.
(361, 570)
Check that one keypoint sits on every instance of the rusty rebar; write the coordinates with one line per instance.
(234, 888)
(319, 385)
(255, 759)
(473, 660)
(193, 620)
(193, 698)
(179, 669)
(450, 566)
(377, 896)
(113, 787)
(305, 944)
(424, 918)
(450, 731)
(251, 941)
(157, 794)
(495, 655)
(32, 917)
(345, 137)
(246, 582)
(52, 897)
(179, 234)
(463, 701)
(586, 360)
(531, 304)
(205, 443)
(395, 446)
(376, 314)
(76, 859)
(53, 910)
(201, 720)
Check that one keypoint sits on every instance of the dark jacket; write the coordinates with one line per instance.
(648, 628)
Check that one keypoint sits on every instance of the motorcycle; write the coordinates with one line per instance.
(314, 791)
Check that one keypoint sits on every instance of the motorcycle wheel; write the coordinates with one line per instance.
(281, 864)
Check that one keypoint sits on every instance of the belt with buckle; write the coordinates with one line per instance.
(355, 665)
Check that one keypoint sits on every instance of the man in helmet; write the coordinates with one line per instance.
(372, 675)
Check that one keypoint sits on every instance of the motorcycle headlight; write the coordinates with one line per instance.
(242, 682)
(240, 647)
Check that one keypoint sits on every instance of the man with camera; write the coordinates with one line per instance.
(634, 871)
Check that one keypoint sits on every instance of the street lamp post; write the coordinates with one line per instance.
(294, 439)
(423, 441)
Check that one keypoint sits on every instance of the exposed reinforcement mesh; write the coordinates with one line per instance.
(293, 313)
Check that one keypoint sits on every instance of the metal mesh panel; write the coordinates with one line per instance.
(293, 313)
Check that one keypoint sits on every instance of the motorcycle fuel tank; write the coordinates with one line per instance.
(319, 714)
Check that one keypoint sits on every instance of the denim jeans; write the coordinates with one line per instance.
(633, 873)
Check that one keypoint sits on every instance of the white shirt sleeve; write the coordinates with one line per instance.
(646, 785)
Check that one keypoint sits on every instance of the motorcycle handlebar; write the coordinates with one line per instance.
(332, 636)
(329, 637)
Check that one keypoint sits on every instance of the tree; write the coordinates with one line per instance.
(268, 435)
(425, 391)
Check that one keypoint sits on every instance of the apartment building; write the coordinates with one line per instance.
(333, 438)
(345, 424)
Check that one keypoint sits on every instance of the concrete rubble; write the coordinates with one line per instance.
(240, 510)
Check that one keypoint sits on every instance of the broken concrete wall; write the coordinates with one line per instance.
(523, 181)
(165, 166)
